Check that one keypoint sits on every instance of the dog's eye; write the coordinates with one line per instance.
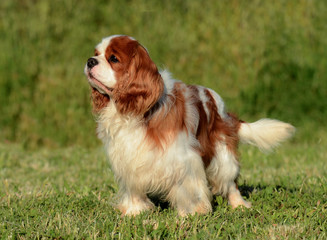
(113, 59)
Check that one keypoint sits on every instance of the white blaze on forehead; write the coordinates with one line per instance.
(102, 46)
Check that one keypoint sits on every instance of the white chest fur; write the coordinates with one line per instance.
(138, 164)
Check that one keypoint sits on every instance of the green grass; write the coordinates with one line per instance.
(266, 59)
(69, 194)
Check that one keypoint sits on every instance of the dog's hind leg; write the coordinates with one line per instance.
(222, 173)
(235, 199)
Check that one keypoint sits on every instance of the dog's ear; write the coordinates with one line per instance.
(141, 86)
(99, 100)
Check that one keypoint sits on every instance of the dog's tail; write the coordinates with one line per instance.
(265, 133)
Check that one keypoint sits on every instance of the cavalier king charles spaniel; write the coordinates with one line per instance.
(166, 138)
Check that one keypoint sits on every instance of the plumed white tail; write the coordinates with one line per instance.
(265, 133)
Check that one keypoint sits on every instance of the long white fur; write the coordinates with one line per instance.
(140, 169)
(177, 173)
(265, 133)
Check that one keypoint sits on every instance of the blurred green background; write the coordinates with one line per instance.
(265, 58)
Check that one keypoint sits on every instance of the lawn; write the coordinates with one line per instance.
(69, 194)
(266, 59)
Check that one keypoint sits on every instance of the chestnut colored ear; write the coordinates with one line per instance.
(99, 100)
(141, 87)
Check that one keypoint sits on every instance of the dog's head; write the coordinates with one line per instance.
(123, 72)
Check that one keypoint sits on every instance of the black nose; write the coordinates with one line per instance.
(91, 62)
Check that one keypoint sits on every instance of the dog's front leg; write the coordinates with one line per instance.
(133, 203)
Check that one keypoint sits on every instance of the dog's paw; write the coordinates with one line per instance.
(236, 200)
(134, 207)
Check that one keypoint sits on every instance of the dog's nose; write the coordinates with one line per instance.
(91, 62)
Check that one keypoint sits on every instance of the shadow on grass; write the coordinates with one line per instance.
(160, 203)
(246, 191)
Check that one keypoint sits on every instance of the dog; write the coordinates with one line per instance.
(166, 138)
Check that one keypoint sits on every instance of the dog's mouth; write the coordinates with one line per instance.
(99, 86)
